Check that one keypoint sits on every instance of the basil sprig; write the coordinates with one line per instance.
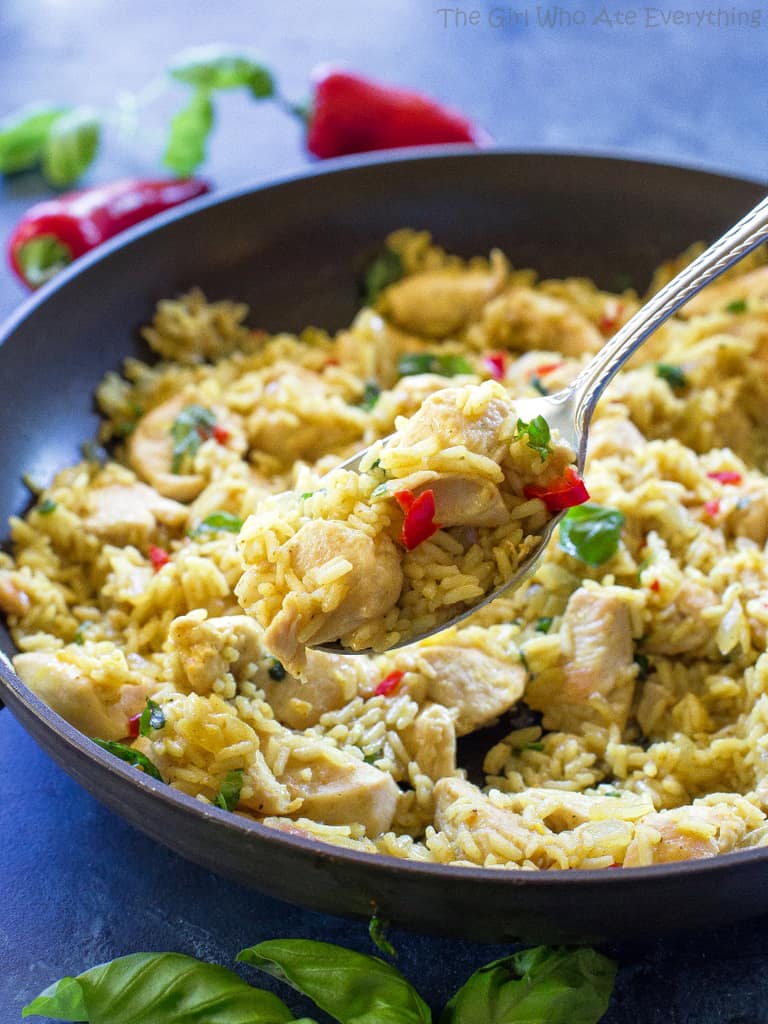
(23, 136)
(591, 532)
(538, 434)
(130, 756)
(216, 522)
(192, 426)
(448, 365)
(228, 796)
(151, 718)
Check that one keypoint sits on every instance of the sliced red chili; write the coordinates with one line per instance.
(609, 321)
(545, 368)
(565, 492)
(389, 684)
(712, 508)
(133, 725)
(221, 434)
(419, 522)
(158, 557)
(655, 586)
(726, 476)
(495, 363)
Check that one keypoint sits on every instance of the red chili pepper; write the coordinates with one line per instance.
(419, 524)
(712, 508)
(158, 557)
(565, 492)
(351, 114)
(133, 725)
(726, 476)
(221, 435)
(610, 319)
(53, 233)
(655, 586)
(495, 363)
(542, 371)
(388, 684)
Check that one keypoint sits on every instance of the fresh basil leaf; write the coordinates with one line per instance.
(71, 146)
(130, 756)
(674, 375)
(536, 986)
(188, 135)
(737, 306)
(377, 930)
(370, 396)
(216, 522)
(538, 433)
(152, 718)
(218, 67)
(23, 136)
(352, 987)
(544, 624)
(276, 670)
(591, 532)
(46, 506)
(384, 271)
(157, 988)
(228, 796)
(429, 362)
(192, 426)
(62, 1000)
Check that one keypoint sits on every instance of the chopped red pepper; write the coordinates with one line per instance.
(419, 524)
(545, 368)
(133, 725)
(221, 435)
(53, 233)
(352, 114)
(712, 508)
(726, 476)
(158, 557)
(495, 363)
(565, 492)
(655, 586)
(389, 684)
(611, 316)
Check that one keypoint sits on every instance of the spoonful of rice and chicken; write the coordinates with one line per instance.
(455, 507)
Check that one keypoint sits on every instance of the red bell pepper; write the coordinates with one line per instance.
(726, 476)
(564, 492)
(495, 363)
(389, 684)
(419, 524)
(53, 233)
(158, 557)
(352, 114)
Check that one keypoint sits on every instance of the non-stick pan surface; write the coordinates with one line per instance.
(291, 251)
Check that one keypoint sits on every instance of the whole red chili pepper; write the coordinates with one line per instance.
(351, 114)
(53, 233)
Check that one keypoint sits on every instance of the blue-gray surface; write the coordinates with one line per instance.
(672, 81)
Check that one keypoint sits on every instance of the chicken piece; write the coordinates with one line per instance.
(524, 319)
(124, 514)
(209, 649)
(438, 303)
(678, 627)
(460, 805)
(596, 683)
(613, 435)
(440, 417)
(475, 685)
(749, 517)
(14, 600)
(715, 297)
(431, 741)
(466, 501)
(63, 687)
(337, 788)
(371, 587)
(329, 681)
(688, 833)
(150, 448)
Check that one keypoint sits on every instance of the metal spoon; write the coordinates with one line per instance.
(570, 410)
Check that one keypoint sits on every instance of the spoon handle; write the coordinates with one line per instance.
(587, 388)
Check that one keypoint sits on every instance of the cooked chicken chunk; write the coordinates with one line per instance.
(209, 649)
(475, 685)
(524, 319)
(678, 627)
(130, 513)
(441, 302)
(14, 600)
(328, 682)
(431, 741)
(442, 418)
(690, 833)
(466, 501)
(596, 682)
(64, 687)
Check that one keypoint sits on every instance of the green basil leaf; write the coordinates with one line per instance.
(737, 306)
(23, 136)
(130, 756)
(377, 929)
(429, 362)
(538, 433)
(370, 396)
(63, 1000)
(192, 426)
(544, 624)
(188, 135)
(352, 987)
(218, 67)
(384, 271)
(157, 988)
(228, 796)
(591, 532)
(536, 986)
(46, 507)
(152, 718)
(276, 670)
(673, 375)
(71, 147)
(218, 521)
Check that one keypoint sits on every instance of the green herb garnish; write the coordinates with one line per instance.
(737, 306)
(384, 271)
(538, 433)
(216, 522)
(538, 745)
(276, 670)
(544, 624)
(380, 490)
(79, 637)
(591, 532)
(429, 362)
(374, 757)
(673, 375)
(643, 667)
(228, 796)
(130, 756)
(192, 426)
(377, 931)
(46, 507)
(152, 718)
(538, 386)
(370, 396)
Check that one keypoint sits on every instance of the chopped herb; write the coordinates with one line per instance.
(380, 490)
(276, 670)
(130, 756)
(370, 396)
(524, 662)
(216, 522)
(591, 532)
(376, 464)
(737, 306)
(429, 362)
(539, 435)
(643, 667)
(373, 757)
(228, 796)
(533, 746)
(46, 507)
(376, 930)
(307, 494)
(151, 718)
(673, 375)
(538, 386)
(544, 624)
(79, 636)
(192, 426)
(384, 271)
(612, 793)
